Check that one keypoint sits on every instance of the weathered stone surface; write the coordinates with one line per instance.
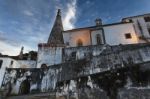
(94, 93)
(112, 57)
(134, 93)
(34, 96)
(99, 76)
(38, 80)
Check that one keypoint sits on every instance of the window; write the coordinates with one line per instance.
(11, 62)
(98, 39)
(67, 43)
(130, 20)
(149, 31)
(1, 62)
(79, 42)
(128, 36)
(147, 19)
(73, 55)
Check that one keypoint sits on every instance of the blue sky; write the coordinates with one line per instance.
(29, 22)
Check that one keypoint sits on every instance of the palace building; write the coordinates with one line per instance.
(104, 61)
(125, 32)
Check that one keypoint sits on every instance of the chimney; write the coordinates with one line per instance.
(98, 22)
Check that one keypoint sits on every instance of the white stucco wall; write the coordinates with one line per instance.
(144, 25)
(6, 64)
(16, 64)
(27, 63)
(49, 56)
(2, 73)
(115, 34)
(73, 36)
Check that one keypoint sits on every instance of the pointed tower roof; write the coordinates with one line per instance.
(56, 36)
(21, 53)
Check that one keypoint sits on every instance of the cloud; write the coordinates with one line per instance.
(8, 49)
(12, 47)
(88, 2)
(28, 13)
(7, 40)
(70, 15)
(31, 24)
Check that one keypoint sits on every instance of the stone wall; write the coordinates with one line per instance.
(124, 83)
(112, 57)
(77, 53)
(99, 76)
(102, 76)
(16, 80)
(49, 55)
(134, 93)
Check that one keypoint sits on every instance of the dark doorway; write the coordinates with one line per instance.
(98, 39)
(79, 42)
(25, 87)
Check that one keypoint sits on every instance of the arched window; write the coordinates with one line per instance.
(79, 42)
(1, 62)
(98, 39)
(73, 55)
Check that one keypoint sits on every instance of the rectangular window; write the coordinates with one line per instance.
(149, 30)
(128, 36)
(1, 62)
(147, 19)
(11, 62)
(73, 54)
(98, 39)
(67, 43)
(130, 20)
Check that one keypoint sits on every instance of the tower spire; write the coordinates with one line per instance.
(21, 53)
(59, 12)
(56, 36)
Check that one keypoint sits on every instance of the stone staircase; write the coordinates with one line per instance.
(34, 96)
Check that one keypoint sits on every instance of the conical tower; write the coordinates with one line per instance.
(54, 45)
(56, 36)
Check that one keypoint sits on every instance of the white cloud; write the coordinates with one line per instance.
(35, 30)
(70, 15)
(8, 49)
(28, 13)
(88, 2)
(11, 47)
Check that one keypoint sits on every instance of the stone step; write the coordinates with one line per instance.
(34, 96)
